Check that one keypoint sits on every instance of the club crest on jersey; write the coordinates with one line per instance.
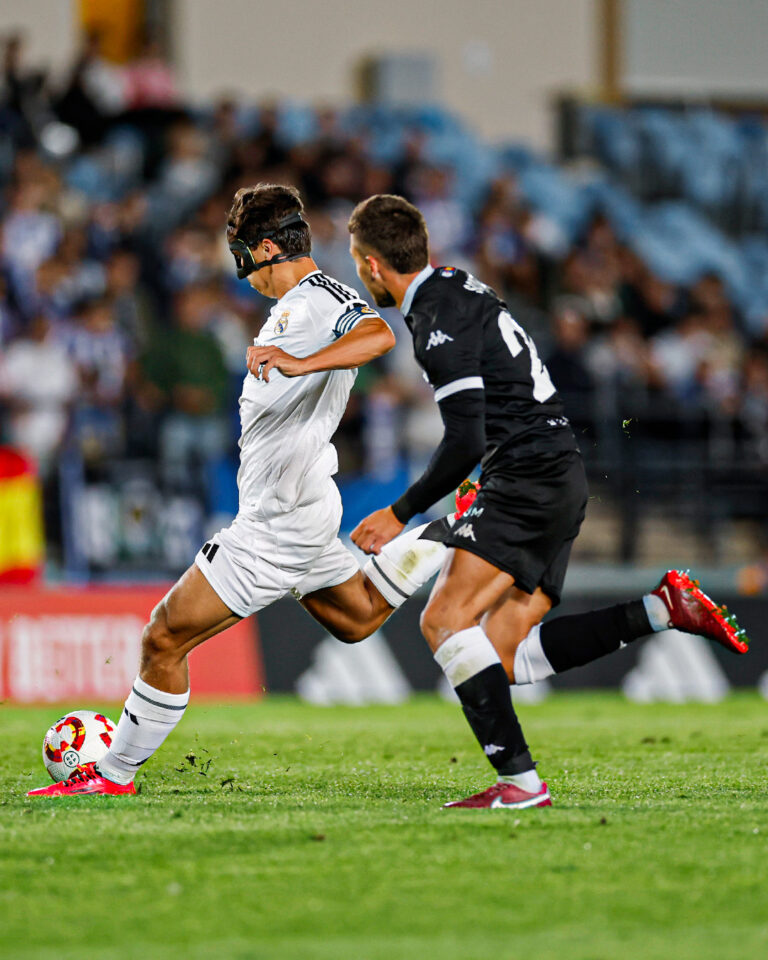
(466, 530)
(282, 323)
(437, 338)
(448, 272)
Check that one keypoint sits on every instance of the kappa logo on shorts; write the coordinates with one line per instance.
(466, 530)
(437, 338)
(209, 551)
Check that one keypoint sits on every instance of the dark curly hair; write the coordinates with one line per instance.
(258, 210)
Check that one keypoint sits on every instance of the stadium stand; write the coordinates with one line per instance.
(640, 267)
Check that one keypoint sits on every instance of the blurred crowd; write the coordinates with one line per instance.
(123, 329)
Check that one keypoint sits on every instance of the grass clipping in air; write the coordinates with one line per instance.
(281, 831)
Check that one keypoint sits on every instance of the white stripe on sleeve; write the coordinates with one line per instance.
(455, 386)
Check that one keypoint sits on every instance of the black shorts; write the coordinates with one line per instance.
(525, 519)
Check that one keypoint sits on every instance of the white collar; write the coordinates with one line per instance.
(410, 293)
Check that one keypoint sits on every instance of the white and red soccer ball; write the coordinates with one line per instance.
(78, 737)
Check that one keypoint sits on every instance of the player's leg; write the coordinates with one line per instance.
(356, 607)
(349, 611)
(469, 586)
(189, 614)
(574, 640)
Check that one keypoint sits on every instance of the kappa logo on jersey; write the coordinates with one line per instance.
(475, 286)
(466, 530)
(437, 338)
(282, 323)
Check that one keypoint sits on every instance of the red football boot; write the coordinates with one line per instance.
(85, 780)
(692, 611)
(465, 497)
(505, 796)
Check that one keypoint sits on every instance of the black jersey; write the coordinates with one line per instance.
(465, 338)
(496, 398)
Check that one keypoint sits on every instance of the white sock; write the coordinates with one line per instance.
(528, 780)
(404, 565)
(531, 662)
(464, 654)
(658, 615)
(149, 716)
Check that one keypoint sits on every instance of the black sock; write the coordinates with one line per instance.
(488, 708)
(580, 638)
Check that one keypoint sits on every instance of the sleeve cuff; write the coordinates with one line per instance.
(402, 509)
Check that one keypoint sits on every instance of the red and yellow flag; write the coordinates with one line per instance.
(22, 542)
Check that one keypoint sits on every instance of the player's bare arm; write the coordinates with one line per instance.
(371, 338)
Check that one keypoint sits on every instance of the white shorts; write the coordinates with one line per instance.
(255, 561)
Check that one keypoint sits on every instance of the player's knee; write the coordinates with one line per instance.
(434, 624)
(441, 618)
(352, 632)
(159, 643)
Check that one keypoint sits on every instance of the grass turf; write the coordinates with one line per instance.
(301, 832)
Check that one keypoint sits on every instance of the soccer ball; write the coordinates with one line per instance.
(79, 737)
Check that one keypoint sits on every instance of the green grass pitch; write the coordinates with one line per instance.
(278, 830)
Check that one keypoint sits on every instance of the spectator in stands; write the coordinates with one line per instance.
(567, 363)
(187, 176)
(445, 216)
(94, 94)
(149, 81)
(680, 356)
(30, 235)
(100, 355)
(620, 359)
(504, 257)
(83, 277)
(411, 162)
(184, 369)
(48, 294)
(8, 317)
(192, 256)
(754, 400)
(132, 303)
(38, 383)
(23, 97)
(653, 302)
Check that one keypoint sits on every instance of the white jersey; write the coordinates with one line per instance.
(286, 454)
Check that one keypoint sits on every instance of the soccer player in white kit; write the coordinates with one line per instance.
(284, 538)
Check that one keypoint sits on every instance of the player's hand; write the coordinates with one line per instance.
(261, 360)
(377, 529)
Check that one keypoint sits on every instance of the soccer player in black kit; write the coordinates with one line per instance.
(508, 554)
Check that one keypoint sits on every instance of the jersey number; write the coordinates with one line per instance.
(543, 388)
